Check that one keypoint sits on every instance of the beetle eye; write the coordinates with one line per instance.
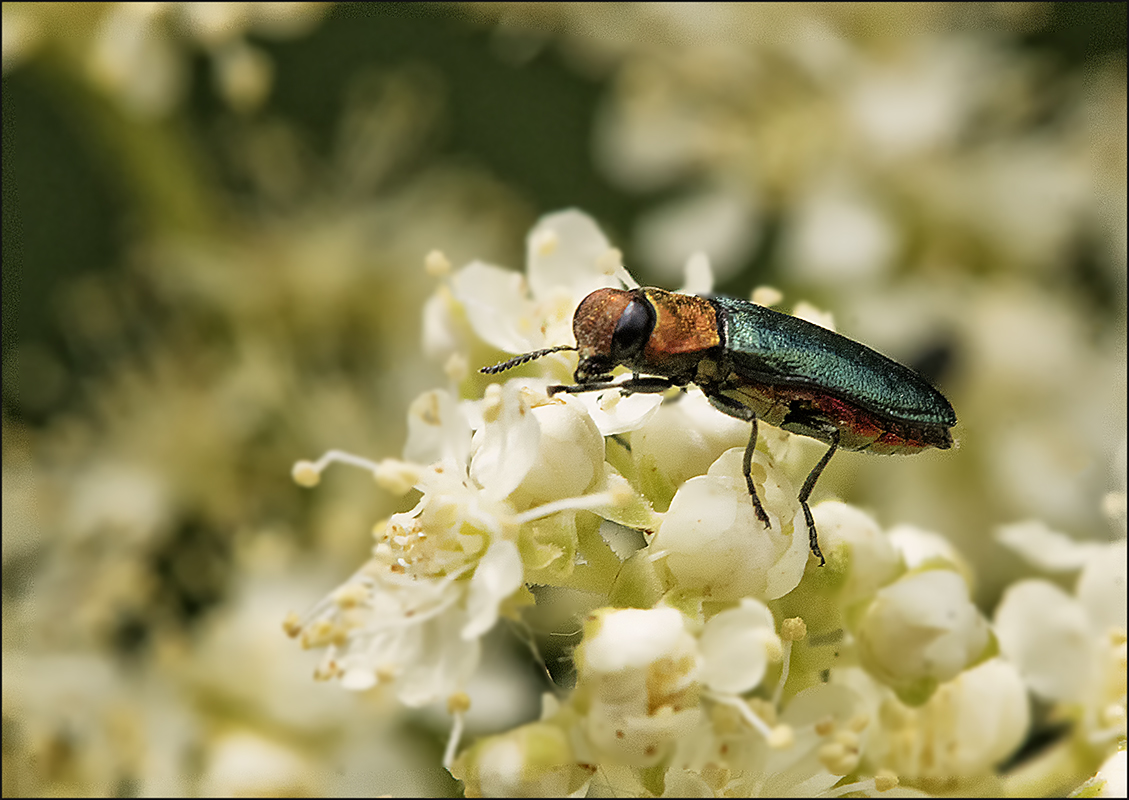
(633, 329)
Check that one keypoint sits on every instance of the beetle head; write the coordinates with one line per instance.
(611, 327)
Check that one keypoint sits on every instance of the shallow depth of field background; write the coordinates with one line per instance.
(214, 227)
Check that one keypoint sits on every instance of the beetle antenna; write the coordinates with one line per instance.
(522, 359)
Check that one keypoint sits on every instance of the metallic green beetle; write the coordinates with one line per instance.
(755, 363)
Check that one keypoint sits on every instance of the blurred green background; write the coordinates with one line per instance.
(214, 226)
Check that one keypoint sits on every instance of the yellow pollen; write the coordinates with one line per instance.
(458, 703)
(322, 632)
(350, 595)
(437, 264)
(292, 624)
(793, 629)
(306, 474)
(767, 296)
(610, 261)
(456, 368)
(885, 780)
(837, 758)
(782, 737)
(546, 243)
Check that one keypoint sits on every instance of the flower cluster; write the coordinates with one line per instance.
(133, 51)
(719, 658)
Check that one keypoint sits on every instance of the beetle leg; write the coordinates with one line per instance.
(629, 386)
(637, 385)
(809, 484)
(580, 387)
(747, 471)
(743, 412)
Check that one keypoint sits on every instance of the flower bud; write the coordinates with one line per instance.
(570, 454)
(920, 631)
(714, 542)
(641, 668)
(871, 560)
(534, 760)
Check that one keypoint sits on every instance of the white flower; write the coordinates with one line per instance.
(746, 748)
(440, 573)
(737, 646)
(570, 457)
(535, 760)
(712, 542)
(1042, 547)
(640, 668)
(679, 441)
(921, 630)
(1072, 649)
(870, 559)
(1045, 632)
(641, 674)
(923, 549)
(567, 258)
(135, 53)
(965, 729)
(1109, 781)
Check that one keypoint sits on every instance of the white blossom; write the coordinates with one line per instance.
(922, 630)
(640, 668)
(711, 540)
(870, 558)
(1109, 781)
(695, 674)
(440, 573)
(958, 736)
(1071, 648)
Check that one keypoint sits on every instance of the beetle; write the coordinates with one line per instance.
(754, 363)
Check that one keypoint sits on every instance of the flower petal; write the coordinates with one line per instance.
(1101, 587)
(565, 252)
(497, 306)
(498, 575)
(713, 539)
(507, 445)
(1046, 634)
(437, 430)
(734, 646)
(615, 413)
(1043, 547)
(632, 638)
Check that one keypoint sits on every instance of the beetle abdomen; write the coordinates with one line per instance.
(797, 357)
(807, 411)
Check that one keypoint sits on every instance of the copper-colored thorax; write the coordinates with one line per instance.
(684, 324)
